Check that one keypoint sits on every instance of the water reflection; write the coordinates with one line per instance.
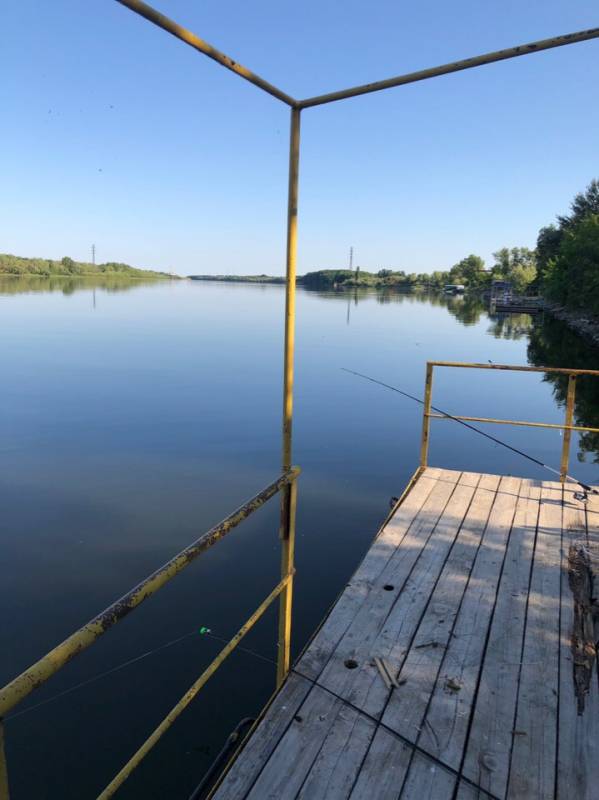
(467, 309)
(552, 344)
(126, 431)
(511, 326)
(33, 284)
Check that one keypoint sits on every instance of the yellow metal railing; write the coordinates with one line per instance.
(567, 427)
(37, 674)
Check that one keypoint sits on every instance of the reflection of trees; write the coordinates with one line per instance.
(510, 326)
(467, 309)
(552, 344)
(33, 284)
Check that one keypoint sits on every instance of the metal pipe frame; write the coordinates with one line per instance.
(513, 367)
(290, 271)
(189, 695)
(154, 16)
(426, 417)
(521, 423)
(289, 495)
(168, 25)
(567, 427)
(287, 534)
(454, 66)
(36, 675)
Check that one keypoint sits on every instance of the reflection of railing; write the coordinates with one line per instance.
(18, 689)
(567, 427)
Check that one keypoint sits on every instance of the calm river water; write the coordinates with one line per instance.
(134, 416)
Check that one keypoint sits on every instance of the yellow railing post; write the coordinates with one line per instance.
(287, 532)
(4, 793)
(291, 261)
(426, 420)
(189, 695)
(288, 496)
(567, 432)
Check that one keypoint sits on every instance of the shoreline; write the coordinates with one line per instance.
(581, 322)
(89, 275)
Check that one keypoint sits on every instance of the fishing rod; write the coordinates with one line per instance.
(582, 496)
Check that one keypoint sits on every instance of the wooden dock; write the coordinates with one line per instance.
(479, 595)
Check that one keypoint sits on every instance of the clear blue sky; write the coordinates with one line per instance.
(113, 132)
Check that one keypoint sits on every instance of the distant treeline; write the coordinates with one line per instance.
(241, 278)
(564, 266)
(46, 267)
(516, 265)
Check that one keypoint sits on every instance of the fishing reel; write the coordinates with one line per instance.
(583, 496)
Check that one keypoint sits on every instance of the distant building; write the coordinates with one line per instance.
(454, 288)
(501, 291)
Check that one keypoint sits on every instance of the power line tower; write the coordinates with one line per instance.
(94, 254)
(351, 258)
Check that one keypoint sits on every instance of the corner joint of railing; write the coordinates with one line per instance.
(293, 473)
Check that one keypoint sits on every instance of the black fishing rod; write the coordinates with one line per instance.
(583, 496)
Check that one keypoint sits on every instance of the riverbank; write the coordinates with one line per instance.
(17, 266)
(581, 322)
(334, 279)
(240, 278)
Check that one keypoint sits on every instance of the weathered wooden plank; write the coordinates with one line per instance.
(578, 741)
(387, 623)
(357, 591)
(452, 577)
(407, 706)
(467, 792)
(592, 521)
(534, 751)
(290, 763)
(263, 741)
(445, 724)
(427, 781)
(490, 739)
(384, 769)
(336, 768)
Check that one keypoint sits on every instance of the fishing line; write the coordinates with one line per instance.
(104, 674)
(586, 487)
(202, 632)
(378, 722)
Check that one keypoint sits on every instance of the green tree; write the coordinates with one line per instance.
(568, 256)
(517, 265)
(548, 242)
(573, 277)
(584, 203)
(68, 264)
(469, 271)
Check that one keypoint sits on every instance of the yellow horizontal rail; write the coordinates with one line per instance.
(184, 35)
(516, 422)
(512, 368)
(567, 427)
(166, 723)
(454, 66)
(42, 670)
